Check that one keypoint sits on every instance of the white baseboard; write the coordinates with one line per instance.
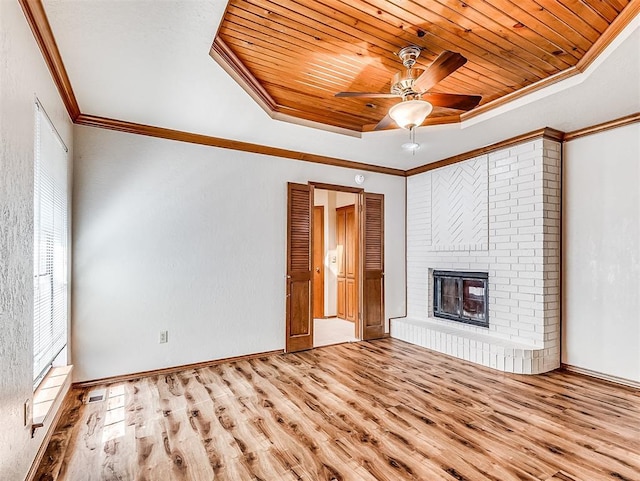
(600, 375)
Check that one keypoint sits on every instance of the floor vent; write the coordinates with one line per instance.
(95, 396)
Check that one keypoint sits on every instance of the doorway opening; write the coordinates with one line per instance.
(335, 267)
(363, 279)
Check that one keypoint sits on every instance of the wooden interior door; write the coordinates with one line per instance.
(298, 302)
(318, 262)
(341, 236)
(373, 259)
(347, 251)
(351, 263)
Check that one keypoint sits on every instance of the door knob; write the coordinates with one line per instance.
(318, 270)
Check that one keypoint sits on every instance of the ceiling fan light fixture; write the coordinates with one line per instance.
(410, 113)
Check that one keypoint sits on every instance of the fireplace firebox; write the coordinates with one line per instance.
(461, 296)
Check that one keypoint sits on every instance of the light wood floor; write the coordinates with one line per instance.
(381, 410)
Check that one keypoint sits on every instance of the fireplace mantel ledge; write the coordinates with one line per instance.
(501, 354)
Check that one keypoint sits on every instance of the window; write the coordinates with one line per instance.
(50, 272)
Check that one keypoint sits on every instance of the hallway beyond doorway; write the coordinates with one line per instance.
(332, 331)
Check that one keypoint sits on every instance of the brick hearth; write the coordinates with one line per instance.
(498, 213)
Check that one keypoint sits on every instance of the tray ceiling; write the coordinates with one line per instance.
(293, 56)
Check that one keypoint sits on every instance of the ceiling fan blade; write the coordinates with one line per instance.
(385, 123)
(367, 94)
(442, 67)
(452, 101)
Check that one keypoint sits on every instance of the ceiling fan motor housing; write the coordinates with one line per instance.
(403, 81)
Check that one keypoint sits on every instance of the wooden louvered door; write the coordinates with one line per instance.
(373, 259)
(299, 318)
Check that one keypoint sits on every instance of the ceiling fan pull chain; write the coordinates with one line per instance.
(412, 137)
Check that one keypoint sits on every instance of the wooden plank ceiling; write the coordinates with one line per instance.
(294, 55)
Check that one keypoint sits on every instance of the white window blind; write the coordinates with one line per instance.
(50, 280)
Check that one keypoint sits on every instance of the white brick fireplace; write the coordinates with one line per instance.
(497, 213)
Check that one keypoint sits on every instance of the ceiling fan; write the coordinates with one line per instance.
(413, 84)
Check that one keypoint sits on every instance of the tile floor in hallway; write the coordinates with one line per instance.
(332, 331)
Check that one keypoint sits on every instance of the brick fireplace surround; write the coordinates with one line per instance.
(498, 213)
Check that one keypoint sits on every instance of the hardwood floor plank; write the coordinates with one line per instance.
(57, 449)
(85, 444)
(379, 410)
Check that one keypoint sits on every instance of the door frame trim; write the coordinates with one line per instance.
(313, 253)
(340, 188)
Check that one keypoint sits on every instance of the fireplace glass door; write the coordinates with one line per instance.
(461, 296)
(450, 296)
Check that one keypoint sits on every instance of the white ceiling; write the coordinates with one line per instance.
(147, 61)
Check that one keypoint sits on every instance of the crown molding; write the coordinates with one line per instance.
(506, 99)
(170, 134)
(230, 63)
(39, 24)
(595, 129)
(613, 30)
(546, 133)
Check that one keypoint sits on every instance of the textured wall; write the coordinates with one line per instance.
(191, 239)
(601, 273)
(23, 74)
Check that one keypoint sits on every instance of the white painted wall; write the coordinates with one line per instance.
(23, 75)
(320, 197)
(191, 239)
(345, 198)
(601, 280)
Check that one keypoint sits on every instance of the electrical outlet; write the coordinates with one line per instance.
(28, 415)
(164, 337)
